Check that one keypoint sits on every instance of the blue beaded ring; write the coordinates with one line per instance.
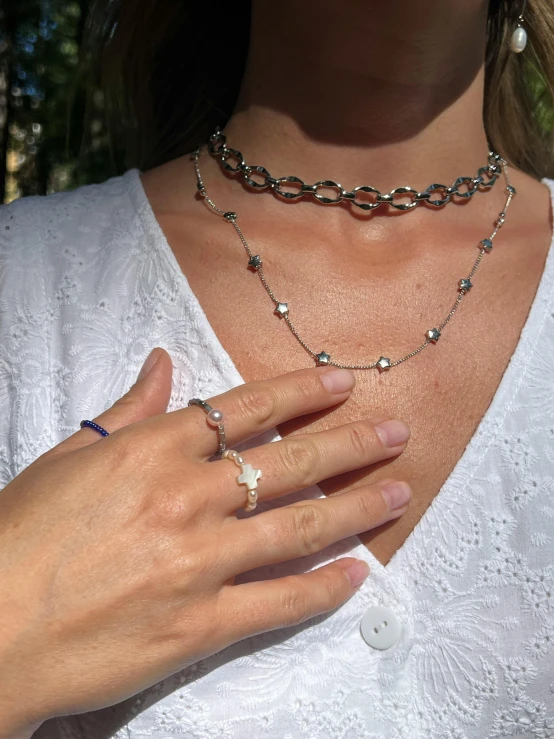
(95, 426)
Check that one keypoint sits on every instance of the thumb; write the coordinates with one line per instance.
(147, 397)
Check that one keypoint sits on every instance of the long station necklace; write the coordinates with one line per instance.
(217, 146)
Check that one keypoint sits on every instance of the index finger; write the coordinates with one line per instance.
(257, 406)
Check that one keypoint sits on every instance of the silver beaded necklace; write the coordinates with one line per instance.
(281, 309)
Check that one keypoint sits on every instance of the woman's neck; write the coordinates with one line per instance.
(384, 94)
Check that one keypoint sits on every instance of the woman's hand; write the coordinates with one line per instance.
(118, 554)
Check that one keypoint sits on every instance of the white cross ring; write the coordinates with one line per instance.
(249, 477)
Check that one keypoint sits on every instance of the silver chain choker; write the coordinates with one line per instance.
(258, 178)
(281, 308)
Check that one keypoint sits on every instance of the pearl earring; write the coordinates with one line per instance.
(519, 36)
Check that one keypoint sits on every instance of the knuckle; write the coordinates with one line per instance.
(176, 564)
(172, 505)
(336, 586)
(130, 399)
(130, 447)
(161, 498)
(361, 438)
(294, 603)
(140, 445)
(123, 451)
(257, 404)
(300, 461)
(307, 388)
(188, 569)
(308, 525)
(171, 508)
(367, 504)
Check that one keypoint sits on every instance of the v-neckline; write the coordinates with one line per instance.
(475, 450)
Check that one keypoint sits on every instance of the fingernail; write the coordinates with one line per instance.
(396, 494)
(338, 380)
(357, 572)
(393, 432)
(150, 361)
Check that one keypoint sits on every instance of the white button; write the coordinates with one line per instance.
(380, 628)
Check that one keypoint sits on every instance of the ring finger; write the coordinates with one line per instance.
(302, 460)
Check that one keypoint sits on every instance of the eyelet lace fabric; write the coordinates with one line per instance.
(88, 285)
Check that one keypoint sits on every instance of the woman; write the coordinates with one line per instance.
(142, 600)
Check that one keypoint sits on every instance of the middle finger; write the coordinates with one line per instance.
(257, 406)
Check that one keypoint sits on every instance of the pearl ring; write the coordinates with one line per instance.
(215, 419)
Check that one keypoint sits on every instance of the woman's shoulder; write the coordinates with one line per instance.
(58, 251)
(39, 224)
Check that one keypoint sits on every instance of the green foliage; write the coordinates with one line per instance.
(53, 114)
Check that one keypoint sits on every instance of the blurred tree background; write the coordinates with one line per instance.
(43, 105)
(53, 114)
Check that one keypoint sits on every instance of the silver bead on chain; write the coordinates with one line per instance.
(217, 147)
(282, 309)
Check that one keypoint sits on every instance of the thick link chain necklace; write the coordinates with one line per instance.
(463, 187)
(281, 309)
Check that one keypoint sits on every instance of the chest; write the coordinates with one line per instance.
(357, 315)
(474, 588)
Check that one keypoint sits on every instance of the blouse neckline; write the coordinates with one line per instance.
(485, 433)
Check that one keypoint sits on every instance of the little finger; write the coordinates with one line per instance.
(306, 527)
(256, 607)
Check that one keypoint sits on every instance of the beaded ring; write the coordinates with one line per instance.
(94, 426)
(215, 418)
(248, 477)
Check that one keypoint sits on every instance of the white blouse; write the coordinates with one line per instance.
(88, 286)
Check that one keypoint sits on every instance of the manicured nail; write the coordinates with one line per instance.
(393, 432)
(150, 361)
(396, 494)
(338, 380)
(357, 572)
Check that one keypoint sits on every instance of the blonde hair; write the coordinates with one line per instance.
(164, 92)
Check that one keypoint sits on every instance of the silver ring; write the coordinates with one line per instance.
(215, 419)
(248, 477)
